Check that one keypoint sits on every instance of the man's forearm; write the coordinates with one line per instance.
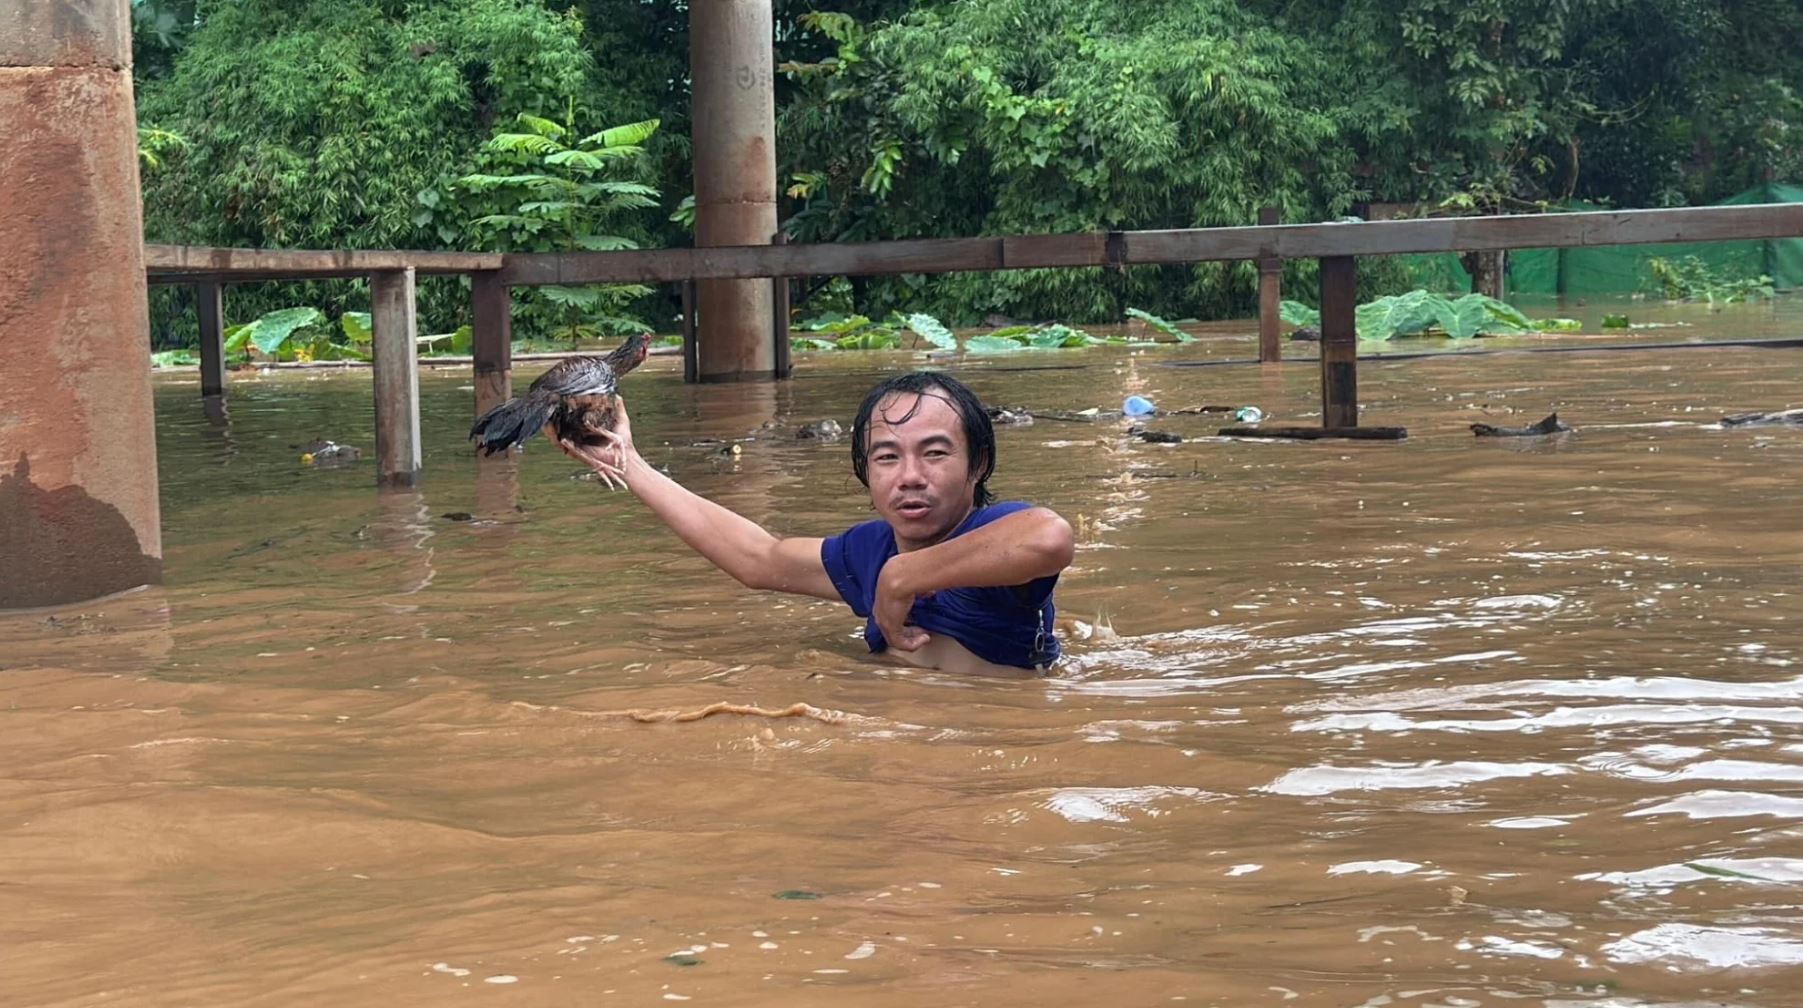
(1011, 550)
(734, 543)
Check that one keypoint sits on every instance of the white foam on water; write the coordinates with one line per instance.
(1244, 869)
(863, 951)
(1384, 867)
(501, 978)
(1326, 780)
(1709, 947)
(1718, 804)
(1528, 822)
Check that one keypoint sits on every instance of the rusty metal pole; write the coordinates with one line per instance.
(393, 319)
(732, 66)
(1270, 296)
(491, 340)
(1339, 343)
(209, 309)
(78, 477)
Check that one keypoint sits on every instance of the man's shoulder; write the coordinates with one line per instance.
(864, 537)
(990, 512)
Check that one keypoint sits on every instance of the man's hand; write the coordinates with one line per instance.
(894, 600)
(608, 461)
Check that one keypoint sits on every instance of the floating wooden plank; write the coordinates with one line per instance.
(187, 263)
(1318, 433)
(391, 306)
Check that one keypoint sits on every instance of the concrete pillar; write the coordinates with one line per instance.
(394, 328)
(732, 67)
(78, 477)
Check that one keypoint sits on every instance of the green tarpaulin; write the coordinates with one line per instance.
(1622, 269)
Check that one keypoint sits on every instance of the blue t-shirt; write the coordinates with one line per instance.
(1007, 626)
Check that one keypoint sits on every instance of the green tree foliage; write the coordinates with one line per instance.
(541, 188)
(313, 125)
(1032, 116)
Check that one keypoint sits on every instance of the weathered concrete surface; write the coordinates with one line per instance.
(78, 486)
(732, 66)
(65, 33)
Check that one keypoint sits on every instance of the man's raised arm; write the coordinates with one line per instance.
(1012, 550)
(734, 543)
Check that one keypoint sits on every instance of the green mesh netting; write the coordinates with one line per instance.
(1622, 269)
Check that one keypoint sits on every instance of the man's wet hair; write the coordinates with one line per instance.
(979, 433)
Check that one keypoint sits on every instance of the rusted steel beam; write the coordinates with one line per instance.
(391, 305)
(183, 263)
(1339, 343)
(1287, 241)
(1270, 297)
(209, 307)
(491, 340)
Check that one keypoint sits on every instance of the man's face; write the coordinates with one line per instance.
(921, 477)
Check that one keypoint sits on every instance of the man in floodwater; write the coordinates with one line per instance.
(946, 578)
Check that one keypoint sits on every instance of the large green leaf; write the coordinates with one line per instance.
(842, 326)
(933, 331)
(236, 337)
(992, 344)
(356, 326)
(1398, 315)
(874, 338)
(631, 134)
(1058, 336)
(1461, 319)
(1505, 318)
(173, 359)
(1161, 325)
(272, 330)
(539, 125)
(1298, 314)
(522, 143)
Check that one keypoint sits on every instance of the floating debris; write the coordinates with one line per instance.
(1550, 425)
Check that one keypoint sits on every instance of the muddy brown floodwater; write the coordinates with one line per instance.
(1454, 721)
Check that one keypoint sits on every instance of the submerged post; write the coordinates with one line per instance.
(1339, 343)
(209, 308)
(779, 318)
(491, 340)
(78, 476)
(1270, 295)
(732, 67)
(691, 354)
(397, 377)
